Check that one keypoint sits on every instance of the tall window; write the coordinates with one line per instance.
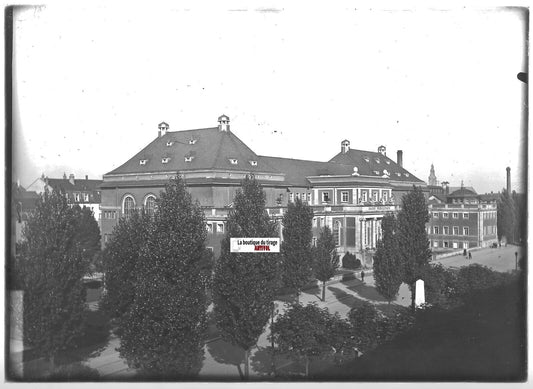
(149, 205)
(291, 197)
(86, 197)
(435, 229)
(445, 215)
(77, 197)
(325, 197)
(466, 231)
(456, 230)
(385, 196)
(465, 215)
(337, 232)
(446, 230)
(128, 206)
(344, 197)
(309, 197)
(455, 215)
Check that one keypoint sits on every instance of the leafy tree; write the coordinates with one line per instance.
(507, 217)
(387, 264)
(50, 268)
(349, 261)
(340, 337)
(296, 248)
(121, 257)
(439, 284)
(472, 278)
(244, 284)
(326, 260)
(88, 234)
(413, 243)
(302, 332)
(365, 322)
(167, 322)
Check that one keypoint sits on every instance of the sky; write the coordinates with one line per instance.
(92, 82)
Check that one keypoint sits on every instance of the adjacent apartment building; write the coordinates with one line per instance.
(350, 193)
(461, 219)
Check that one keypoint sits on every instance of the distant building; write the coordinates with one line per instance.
(432, 179)
(350, 193)
(461, 220)
(23, 203)
(83, 192)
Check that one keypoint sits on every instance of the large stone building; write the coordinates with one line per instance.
(350, 193)
(461, 219)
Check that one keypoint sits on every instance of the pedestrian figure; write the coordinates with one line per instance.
(469, 255)
(464, 252)
(362, 275)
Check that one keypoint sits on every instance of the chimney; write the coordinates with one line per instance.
(508, 180)
(163, 128)
(223, 123)
(399, 158)
(345, 146)
(71, 179)
(64, 175)
(382, 150)
(86, 177)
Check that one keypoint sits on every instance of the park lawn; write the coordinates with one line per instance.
(483, 340)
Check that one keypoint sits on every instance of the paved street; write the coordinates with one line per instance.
(223, 360)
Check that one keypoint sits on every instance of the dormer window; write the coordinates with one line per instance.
(366, 159)
(233, 161)
(387, 162)
(189, 158)
(406, 174)
(192, 141)
(377, 160)
(169, 143)
(165, 160)
(386, 172)
(398, 174)
(376, 172)
(253, 163)
(143, 161)
(355, 171)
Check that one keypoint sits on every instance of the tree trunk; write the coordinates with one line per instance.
(246, 363)
(323, 290)
(307, 366)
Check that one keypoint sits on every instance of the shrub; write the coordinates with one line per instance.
(349, 261)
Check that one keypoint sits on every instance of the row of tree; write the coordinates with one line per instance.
(512, 217)
(403, 253)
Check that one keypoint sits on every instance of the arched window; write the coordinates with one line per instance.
(128, 206)
(149, 205)
(337, 232)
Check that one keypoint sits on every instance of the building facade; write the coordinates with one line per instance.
(83, 192)
(349, 193)
(461, 220)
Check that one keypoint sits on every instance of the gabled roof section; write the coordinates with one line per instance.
(296, 170)
(81, 184)
(369, 162)
(213, 149)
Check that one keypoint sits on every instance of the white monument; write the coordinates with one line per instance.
(420, 297)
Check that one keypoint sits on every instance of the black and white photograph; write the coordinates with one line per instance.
(266, 192)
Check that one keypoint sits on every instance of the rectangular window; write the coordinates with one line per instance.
(309, 197)
(385, 196)
(106, 238)
(466, 231)
(209, 228)
(435, 243)
(465, 215)
(455, 245)
(374, 195)
(297, 195)
(86, 197)
(455, 215)
(77, 197)
(436, 215)
(291, 197)
(435, 230)
(344, 196)
(445, 215)
(314, 222)
(446, 244)
(456, 230)
(221, 227)
(314, 242)
(325, 197)
(364, 195)
(210, 248)
(446, 230)
(465, 245)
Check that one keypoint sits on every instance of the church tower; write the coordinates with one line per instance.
(432, 179)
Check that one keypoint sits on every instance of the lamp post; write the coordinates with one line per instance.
(516, 260)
